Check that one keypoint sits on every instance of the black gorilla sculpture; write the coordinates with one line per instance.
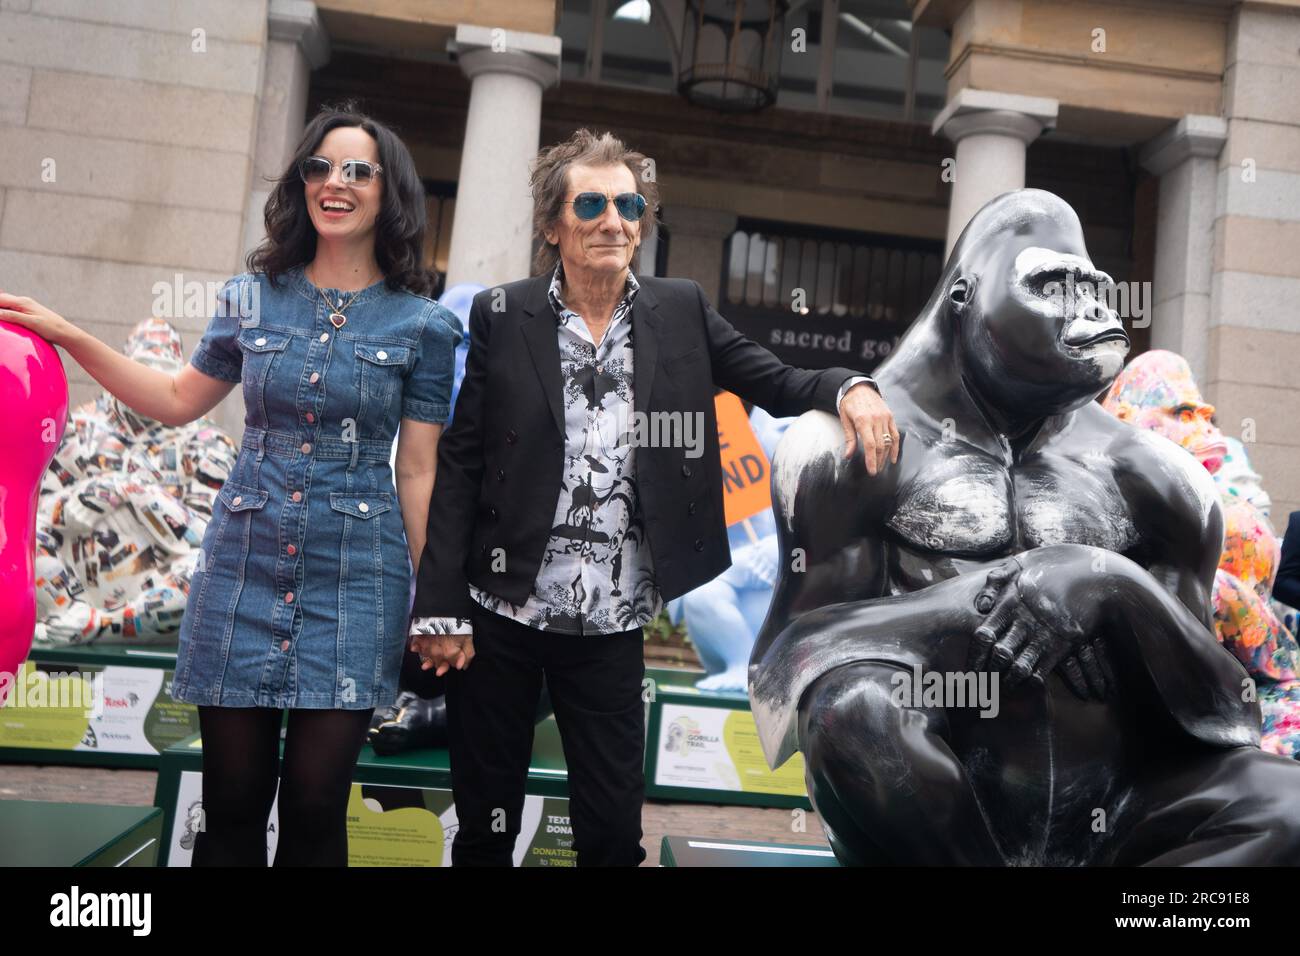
(1029, 536)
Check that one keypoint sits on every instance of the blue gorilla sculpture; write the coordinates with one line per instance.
(723, 617)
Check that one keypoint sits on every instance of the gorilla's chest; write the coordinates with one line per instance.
(968, 504)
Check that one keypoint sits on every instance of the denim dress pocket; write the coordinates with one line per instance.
(363, 505)
(380, 368)
(233, 519)
(369, 524)
(226, 551)
(262, 348)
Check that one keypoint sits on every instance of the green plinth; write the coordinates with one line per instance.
(33, 833)
(102, 654)
(702, 851)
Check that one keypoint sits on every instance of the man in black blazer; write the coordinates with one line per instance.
(578, 488)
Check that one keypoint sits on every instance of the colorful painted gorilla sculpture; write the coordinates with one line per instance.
(1156, 391)
(1029, 550)
(123, 508)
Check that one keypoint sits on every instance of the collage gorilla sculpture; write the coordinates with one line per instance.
(123, 508)
(1028, 536)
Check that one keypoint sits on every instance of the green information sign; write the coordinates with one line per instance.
(92, 709)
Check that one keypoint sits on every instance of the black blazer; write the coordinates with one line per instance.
(1286, 587)
(501, 460)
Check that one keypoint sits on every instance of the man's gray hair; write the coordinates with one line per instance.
(550, 184)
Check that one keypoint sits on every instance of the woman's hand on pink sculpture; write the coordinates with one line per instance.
(30, 314)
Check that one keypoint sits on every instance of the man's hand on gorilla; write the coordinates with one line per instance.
(1041, 611)
(867, 420)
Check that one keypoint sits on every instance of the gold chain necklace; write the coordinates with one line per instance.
(336, 316)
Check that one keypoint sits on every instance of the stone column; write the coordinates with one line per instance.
(491, 235)
(1254, 336)
(296, 45)
(695, 246)
(128, 132)
(992, 132)
(1185, 157)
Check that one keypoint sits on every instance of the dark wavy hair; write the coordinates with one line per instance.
(399, 229)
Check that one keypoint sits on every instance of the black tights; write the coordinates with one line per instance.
(241, 750)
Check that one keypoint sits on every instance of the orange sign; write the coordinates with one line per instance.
(746, 472)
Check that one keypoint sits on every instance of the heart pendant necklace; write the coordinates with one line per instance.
(337, 318)
(336, 310)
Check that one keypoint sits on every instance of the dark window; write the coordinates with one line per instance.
(822, 297)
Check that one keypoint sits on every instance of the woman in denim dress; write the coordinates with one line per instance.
(301, 600)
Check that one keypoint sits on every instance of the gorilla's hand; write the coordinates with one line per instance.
(1041, 613)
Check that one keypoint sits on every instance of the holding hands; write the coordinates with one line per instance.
(444, 651)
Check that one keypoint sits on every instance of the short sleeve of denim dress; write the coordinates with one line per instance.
(302, 594)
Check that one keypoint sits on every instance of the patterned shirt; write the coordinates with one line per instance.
(596, 576)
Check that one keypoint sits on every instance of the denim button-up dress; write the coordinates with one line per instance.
(302, 596)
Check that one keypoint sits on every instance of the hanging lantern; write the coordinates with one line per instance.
(731, 53)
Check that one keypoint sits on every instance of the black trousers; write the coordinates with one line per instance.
(595, 687)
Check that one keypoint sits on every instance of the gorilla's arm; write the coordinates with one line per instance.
(830, 549)
(1165, 597)
(1201, 684)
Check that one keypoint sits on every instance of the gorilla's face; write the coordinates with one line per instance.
(1037, 332)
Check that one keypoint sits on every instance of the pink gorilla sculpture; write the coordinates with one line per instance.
(34, 399)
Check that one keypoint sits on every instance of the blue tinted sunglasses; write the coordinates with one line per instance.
(587, 206)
